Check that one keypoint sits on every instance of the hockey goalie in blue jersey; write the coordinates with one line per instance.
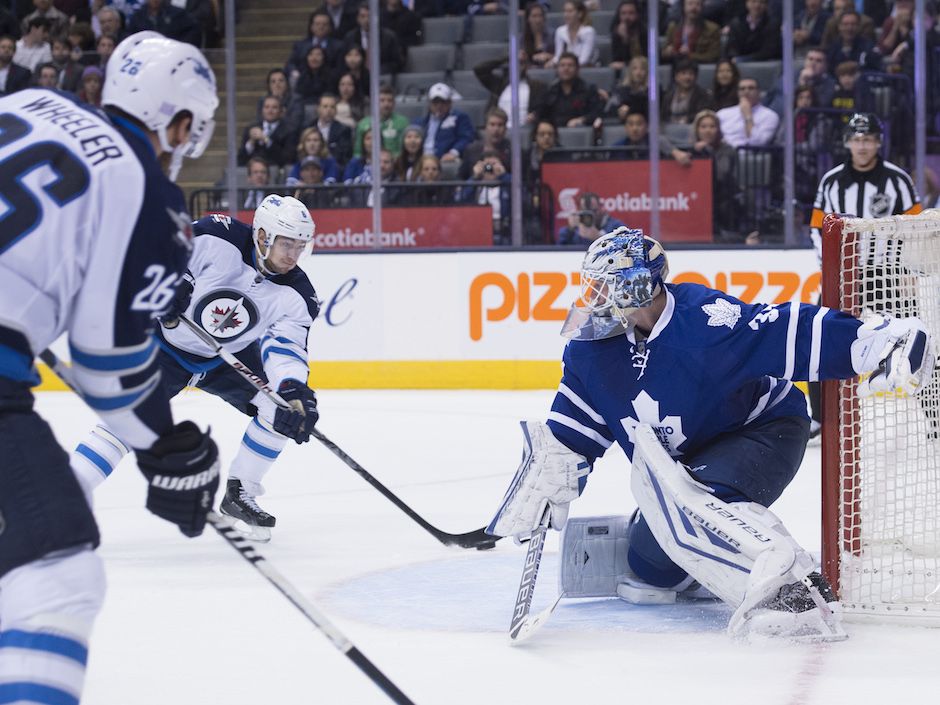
(244, 288)
(93, 239)
(697, 389)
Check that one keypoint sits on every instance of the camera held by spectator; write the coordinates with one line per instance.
(588, 222)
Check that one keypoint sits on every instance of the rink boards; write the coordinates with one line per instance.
(487, 320)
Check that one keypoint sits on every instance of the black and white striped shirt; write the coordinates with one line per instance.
(884, 191)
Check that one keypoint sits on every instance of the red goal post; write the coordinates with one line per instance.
(881, 455)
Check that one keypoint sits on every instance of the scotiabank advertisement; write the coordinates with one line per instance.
(402, 228)
(685, 198)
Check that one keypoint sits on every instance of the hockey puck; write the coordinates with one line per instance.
(486, 546)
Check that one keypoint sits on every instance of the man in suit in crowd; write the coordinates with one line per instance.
(271, 139)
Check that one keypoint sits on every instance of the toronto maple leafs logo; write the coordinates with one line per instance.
(668, 429)
(275, 201)
(722, 313)
(203, 71)
(226, 314)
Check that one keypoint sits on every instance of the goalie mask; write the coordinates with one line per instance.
(621, 272)
(280, 216)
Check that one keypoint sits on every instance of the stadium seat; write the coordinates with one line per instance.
(546, 76)
(603, 47)
(442, 30)
(430, 57)
(411, 109)
(476, 109)
(706, 75)
(491, 28)
(467, 85)
(417, 84)
(449, 170)
(602, 77)
(612, 134)
(574, 137)
(754, 169)
(679, 135)
(477, 53)
(765, 73)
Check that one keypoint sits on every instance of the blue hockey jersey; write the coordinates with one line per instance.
(712, 364)
(238, 306)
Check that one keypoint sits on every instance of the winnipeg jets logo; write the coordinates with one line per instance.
(722, 313)
(668, 429)
(226, 314)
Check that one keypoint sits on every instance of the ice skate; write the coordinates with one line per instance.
(252, 520)
(797, 614)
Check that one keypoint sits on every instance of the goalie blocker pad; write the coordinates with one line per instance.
(594, 556)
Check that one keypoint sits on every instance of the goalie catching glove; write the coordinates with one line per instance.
(182, 471)
(549, 477)
(298, 421)
(899, 353)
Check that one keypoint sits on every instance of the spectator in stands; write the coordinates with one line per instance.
(311, 144)
(428, 171)
(357, 164)
(13, 77)
(92, 81)
(897, 39)
(537, 37)
(831, 32)
(278, 86)
(627, 34)
(390, 194)
(685, 98)
(412, 148)
(56, 20)
(570, 101)
(311, 176)
(810, 131)
(813, 75)
(338, 137)
(315, 77)
(271, 138)
(46, 76)
(259, 177)
(576, 36)
(82, 40)
(105, 47)
(748, 123)
(391, 57)
(343, 16)
(173, 22)
(754, 37)
(587, 223)
(354, 64)
(847, 74)
(693, 38)
(637, 138)
(110, 21)
(544, 138)
(493, 141)
(708, 142)
(9, 25)
(494, 75)
(447, 132)
(725, 84)
(492, 189)
(633, 92)
(319, 33)
(849, 45)
(809, 25)
(70, 71)
(402, 21)
(393, 125)
(350, 105)
(33, 47)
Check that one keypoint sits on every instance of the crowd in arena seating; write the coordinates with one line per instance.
(445, 102)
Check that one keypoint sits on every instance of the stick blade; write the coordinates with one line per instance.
(478, 539)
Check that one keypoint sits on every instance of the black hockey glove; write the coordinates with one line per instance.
(182, 469)
(180, 302)
(298, 422)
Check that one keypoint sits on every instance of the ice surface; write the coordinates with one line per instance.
(190, 623)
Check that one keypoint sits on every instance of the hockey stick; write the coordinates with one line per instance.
(478, 539)
(522, 627)
(227, 531)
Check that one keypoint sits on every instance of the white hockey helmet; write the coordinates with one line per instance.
(153, 78)
(283, 216)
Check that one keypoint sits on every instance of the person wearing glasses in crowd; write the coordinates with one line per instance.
(748, 124)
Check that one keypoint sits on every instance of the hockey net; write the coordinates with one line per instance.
(881, 455)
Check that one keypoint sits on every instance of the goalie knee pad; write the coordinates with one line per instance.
(594, 556)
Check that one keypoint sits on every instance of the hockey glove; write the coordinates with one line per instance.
(182, 470)
(298, 422)
(180, 302)
(907, 360)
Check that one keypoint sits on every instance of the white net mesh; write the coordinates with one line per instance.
(889, 445)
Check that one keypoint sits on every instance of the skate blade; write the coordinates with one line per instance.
(249, 532)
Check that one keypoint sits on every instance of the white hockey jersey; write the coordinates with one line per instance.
(238, 306)
(93, 238)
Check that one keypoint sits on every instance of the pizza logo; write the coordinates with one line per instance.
(226, 315)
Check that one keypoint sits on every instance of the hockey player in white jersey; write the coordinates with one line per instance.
(697, 389)
(93, 238)
(244, 288)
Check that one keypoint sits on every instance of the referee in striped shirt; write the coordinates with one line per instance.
(864, 186)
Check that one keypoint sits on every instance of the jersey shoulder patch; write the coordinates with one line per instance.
(297, 280)
(234, 232)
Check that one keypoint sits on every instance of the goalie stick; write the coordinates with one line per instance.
(225, 528)
(522, 626)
